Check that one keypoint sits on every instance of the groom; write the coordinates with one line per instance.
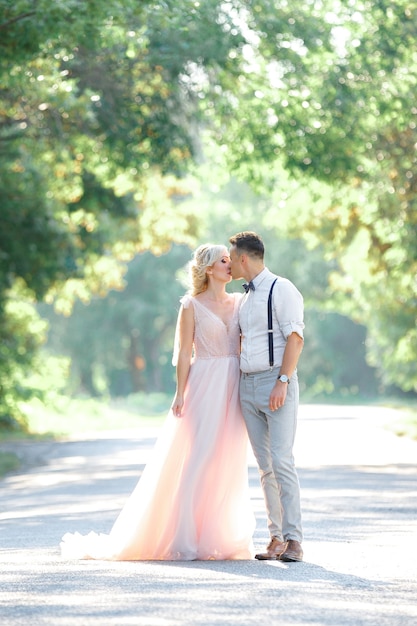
(269, 388)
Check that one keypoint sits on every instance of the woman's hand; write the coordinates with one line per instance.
(177, 405)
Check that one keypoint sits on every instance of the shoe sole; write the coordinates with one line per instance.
(260, 557)
(266, 558)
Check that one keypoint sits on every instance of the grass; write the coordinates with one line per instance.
(9, 462)
(69, 417)
(405, 425)
(76, 417)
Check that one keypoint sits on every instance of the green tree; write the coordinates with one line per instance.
(369, 225)
(90, 127)
(22, 333)
(123, 343)
(103, 106)
(331, 104)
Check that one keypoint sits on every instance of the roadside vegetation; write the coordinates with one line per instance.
(406, 423)
(78, 418)
(72, 418)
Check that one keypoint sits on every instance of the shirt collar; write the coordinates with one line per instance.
(260, 277)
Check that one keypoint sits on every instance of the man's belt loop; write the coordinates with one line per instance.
(270, 331)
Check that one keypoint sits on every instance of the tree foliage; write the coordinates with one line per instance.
(105, 107)
(369, 222)
(95, 125)
(123, 343)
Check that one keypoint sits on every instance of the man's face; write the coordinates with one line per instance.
(235, 263)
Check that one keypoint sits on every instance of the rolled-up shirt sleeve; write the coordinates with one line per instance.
(287, 318)
(289, 308)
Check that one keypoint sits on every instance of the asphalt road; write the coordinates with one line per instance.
(359, 494)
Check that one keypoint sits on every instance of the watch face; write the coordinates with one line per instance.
(283, 378)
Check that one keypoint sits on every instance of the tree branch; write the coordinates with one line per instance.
(22, 16)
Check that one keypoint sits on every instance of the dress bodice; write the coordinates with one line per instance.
(212, 336)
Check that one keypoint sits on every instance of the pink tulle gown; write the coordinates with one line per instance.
(192, 500)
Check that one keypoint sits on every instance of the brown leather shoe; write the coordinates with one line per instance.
(273, 551)
(293, 552)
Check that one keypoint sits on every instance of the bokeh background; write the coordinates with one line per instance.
(132, 131)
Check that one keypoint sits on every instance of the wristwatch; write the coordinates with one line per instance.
(284, 378)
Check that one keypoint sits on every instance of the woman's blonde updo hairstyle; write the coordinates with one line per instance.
(204, 257)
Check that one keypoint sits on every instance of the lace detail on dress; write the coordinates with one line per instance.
(212, 337)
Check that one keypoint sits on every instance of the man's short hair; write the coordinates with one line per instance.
(250, 243)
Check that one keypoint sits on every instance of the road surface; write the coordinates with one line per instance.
(359, 496)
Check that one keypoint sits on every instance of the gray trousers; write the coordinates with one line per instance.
(272, 435)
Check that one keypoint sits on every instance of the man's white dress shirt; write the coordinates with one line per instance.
(287, 318)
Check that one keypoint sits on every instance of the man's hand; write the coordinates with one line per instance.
(289, 363)
(278, 395)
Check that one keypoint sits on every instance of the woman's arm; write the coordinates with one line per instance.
(186, 338)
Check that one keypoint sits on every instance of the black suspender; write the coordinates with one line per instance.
(270, 331)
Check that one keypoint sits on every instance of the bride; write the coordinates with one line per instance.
(192, 500)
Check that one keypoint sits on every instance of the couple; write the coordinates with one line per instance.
(192, 500)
